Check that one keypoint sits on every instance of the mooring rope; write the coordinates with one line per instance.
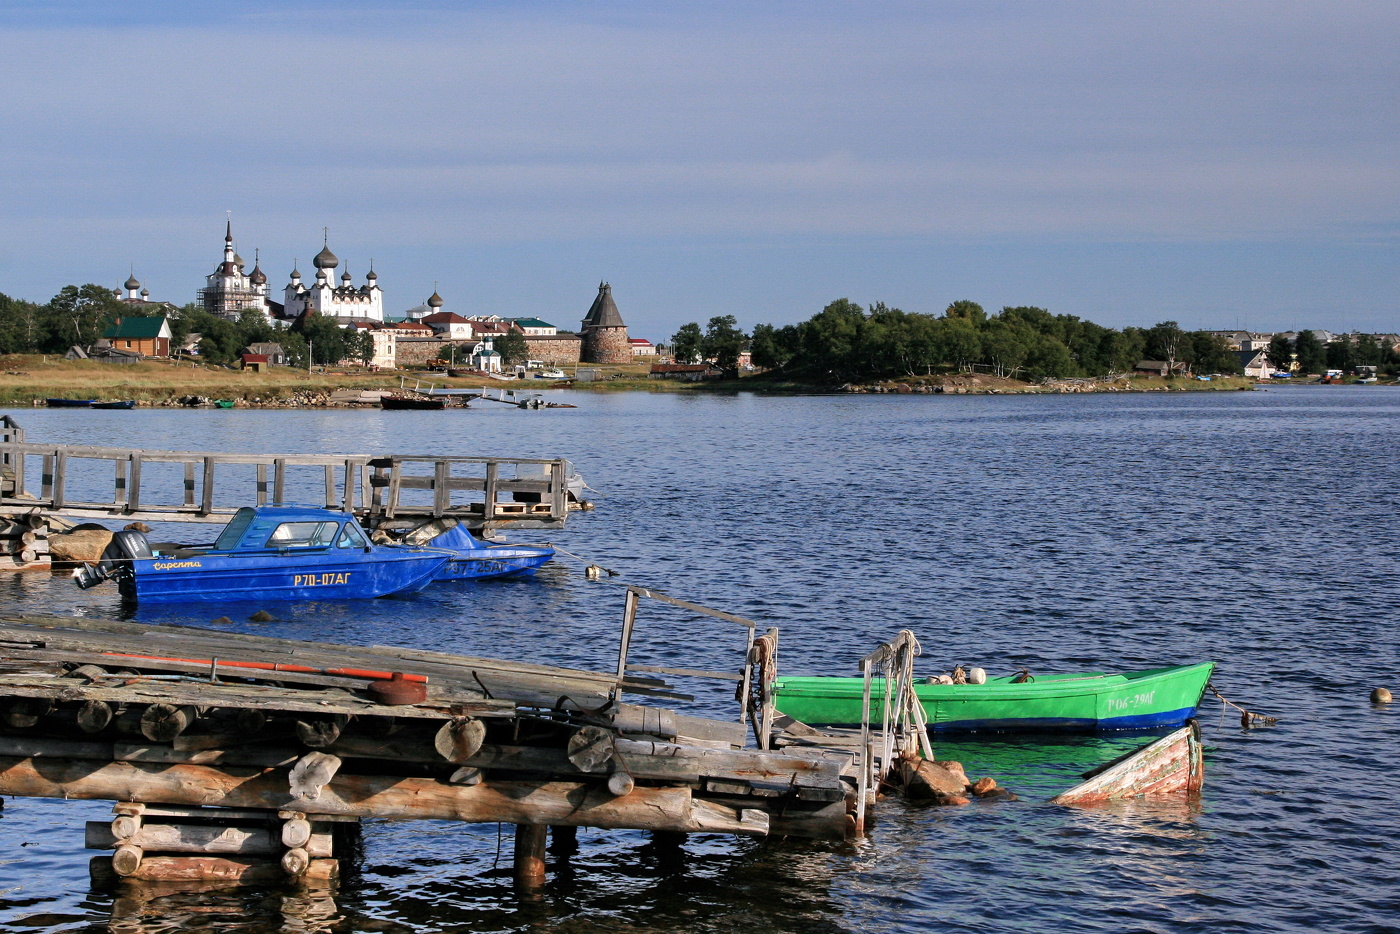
(1248, 718)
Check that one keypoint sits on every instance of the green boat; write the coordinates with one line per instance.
(1132, 700)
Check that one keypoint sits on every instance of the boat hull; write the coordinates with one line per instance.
(126, 404)
(472, 559)
(68, 403)
(1137, 700)
(277, 577)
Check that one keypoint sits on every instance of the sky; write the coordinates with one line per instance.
(1224, 165)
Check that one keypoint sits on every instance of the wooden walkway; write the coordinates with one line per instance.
(485, 493)
(217, 745)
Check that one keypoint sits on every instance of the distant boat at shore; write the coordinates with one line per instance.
(123, 404)
(69, 403)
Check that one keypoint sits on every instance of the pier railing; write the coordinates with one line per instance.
(193, 486)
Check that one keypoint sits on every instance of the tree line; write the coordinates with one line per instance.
(845, 342)
(78, 315)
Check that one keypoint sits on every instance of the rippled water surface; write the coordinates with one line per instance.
(1056, 533)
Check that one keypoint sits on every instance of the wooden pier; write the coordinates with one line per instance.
(246, 758)
(394, 491)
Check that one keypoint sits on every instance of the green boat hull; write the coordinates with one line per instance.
(1133, 700)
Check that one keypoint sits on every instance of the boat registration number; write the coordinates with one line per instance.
(1137, 700)
(321, 580)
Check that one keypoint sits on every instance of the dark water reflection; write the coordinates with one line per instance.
(1058, 533)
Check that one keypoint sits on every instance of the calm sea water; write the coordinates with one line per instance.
(1057, 533)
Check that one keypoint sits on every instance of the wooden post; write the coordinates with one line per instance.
(279, 480)
(262, 484)
(330, 486)
(206, 503)
(488, 510)
(133, 493)
(629, 619)
(559, 493)
(189, 483)
(46, 478)
(442, 493)
(529, 856)
(120, 466)
(563, 840)
(60, 464)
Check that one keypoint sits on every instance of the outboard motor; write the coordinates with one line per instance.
(115, 563)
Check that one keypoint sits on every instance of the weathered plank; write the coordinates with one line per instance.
(1173, 764)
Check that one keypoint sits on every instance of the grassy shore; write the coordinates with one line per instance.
(30, 379)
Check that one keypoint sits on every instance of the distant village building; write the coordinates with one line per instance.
(228, 290)
(149, 337)
(1160, 368)
(534, 327)
(1254, 363)
(275, 354)
(603, 333)
(641, 347)
(323, 297)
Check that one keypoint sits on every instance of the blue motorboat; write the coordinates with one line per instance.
(472, 559)
(267, 553)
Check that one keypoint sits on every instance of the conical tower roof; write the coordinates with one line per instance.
(603, 313)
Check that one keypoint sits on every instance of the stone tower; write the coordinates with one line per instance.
(604, 335)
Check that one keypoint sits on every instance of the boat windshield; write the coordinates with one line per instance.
(303, 535)
(351, 537)
(233, 532)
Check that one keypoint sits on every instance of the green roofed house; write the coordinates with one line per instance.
(149, 337)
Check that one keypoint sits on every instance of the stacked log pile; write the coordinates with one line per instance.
(197, 719)
(24, 543)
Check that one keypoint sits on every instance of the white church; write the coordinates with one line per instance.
(324, 298)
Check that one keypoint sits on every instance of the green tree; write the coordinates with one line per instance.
(955, 342)
(1166, 341)
(79, 314)
(966, 310)
(685, 343)
(722, 343)
(21, 325)
(1341, 354)
(1005, 346)
(512, 347)
(1280, 353)
(831, 341)
(1211, 354)
(1311, 354)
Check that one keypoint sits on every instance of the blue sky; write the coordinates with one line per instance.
(1228, 165)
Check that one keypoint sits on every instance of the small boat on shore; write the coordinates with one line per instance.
(69, 403)
(267, 553)
(1132, 700)
(412, 402)
(124, 404)
(473, 559)
(223, 403)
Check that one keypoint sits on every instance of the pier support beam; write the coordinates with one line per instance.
(529, 856)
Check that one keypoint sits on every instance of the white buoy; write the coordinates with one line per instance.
(976, 676)
(1380, 696)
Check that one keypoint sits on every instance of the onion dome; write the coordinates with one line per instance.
(145, 293)
(435, 301)
(371, 275)
(257, 276)
(237, 260)
(131, 282)
(325, 259)
(296, 273)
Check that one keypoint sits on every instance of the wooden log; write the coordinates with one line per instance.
(94, 716)
(295, 861)
(390, 797)
(321, 732)
(126, 859)
(620, 783)
(223, 869)
(125, 827)
(590, 748)
(810, 779)
(530, 842)
(296, 831)
(160, 723)
(204, 838)
(459, 739)
(23, 712)
(311, 773)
